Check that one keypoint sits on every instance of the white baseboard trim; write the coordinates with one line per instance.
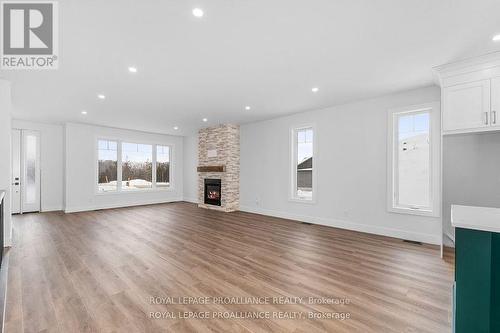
(377, 230)
(118, 205)
(51, 209)
(192, 200)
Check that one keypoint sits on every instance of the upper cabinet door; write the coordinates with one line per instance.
(495, 102)
(467, 106)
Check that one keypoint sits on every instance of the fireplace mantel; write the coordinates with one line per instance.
(212, 168)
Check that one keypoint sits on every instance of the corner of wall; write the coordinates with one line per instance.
(64, 167)
(5, 154)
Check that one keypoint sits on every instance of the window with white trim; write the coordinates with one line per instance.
(128, 166)
(107, 168)
(162, 166)
(303, 172)
(413, 184)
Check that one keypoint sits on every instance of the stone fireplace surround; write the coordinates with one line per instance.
(220, 146)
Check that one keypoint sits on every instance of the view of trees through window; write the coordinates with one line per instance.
(136, 165)
(108, 165)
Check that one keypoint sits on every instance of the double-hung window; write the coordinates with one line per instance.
(124, 166)
(302, 166)
(413, 160)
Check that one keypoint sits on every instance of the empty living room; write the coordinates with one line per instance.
(250, 166)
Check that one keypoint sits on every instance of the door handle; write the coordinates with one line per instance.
(493, 117)
(486, 118)
(15, 183)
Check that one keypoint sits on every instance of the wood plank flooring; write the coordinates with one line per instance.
(97, 271)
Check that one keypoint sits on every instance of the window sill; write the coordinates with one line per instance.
(410, 211)
(149, 190)
(304, 201)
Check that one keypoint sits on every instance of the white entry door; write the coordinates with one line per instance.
(25, 171)
(16, 171)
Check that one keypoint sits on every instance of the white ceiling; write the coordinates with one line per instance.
(267, 54)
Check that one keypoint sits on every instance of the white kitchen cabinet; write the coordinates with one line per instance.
(470, 95)
(495, 102)
(467, 106)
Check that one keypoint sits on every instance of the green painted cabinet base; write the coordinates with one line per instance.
(477, 277)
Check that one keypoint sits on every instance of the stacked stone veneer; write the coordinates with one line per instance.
(225, 140)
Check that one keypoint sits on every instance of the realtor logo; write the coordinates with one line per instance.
(29, 35)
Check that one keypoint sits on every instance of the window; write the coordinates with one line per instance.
(302, 164)
(414, 160)
(128, 166)
(137, 166)
(162, 166)
(107, 165)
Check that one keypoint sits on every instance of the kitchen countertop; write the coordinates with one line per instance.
(476, 218)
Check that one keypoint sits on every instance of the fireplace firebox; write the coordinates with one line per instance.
(213, 192)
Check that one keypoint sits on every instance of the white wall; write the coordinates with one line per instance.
(190, 164)
(470, 173)
(5, 156)
(351, 166)
(81, 164)
(51, 162)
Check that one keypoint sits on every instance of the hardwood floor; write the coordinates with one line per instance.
(97, 271)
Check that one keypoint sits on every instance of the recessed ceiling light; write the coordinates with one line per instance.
(176, 128)
(247, 107)
(132, 69)
(315, 89)
(84, 112)
(101, 96)
(496, 38)
(197, 12)
(205, 120)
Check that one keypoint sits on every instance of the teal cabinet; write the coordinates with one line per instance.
(477, 281)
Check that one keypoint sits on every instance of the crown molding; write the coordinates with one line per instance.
(471, 69)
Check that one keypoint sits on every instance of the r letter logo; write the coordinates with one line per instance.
(29, 35)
